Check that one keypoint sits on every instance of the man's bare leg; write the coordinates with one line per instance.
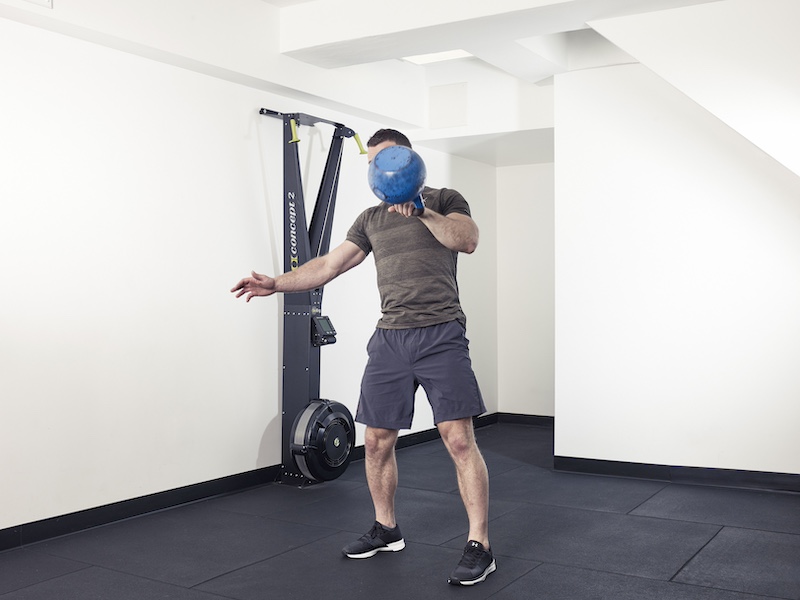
(381, 467)
(473, 477)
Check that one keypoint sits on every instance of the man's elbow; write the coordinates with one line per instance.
(470, 245)
(472, 240)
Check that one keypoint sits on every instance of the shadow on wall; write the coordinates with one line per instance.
(269, 155)
(270, 444)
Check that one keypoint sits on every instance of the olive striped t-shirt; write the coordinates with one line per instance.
(416, 273)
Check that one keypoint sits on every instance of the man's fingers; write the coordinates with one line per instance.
(244, 286)
(248, 282)
(402, 209)
(257, 285)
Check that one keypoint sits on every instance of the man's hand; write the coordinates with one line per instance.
(406, 209)
(257, 285)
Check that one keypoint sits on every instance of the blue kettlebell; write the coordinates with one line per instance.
(397, 175)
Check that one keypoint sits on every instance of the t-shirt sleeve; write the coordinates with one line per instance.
(358, 235)
(451, 201)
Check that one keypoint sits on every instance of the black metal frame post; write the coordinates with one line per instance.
(301, 354)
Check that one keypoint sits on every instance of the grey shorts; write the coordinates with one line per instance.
(400, 360)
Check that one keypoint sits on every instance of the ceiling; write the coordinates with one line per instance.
(532, 41)
(281, 3)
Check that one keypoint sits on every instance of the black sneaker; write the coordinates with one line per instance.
(377, 539)
(476, 564)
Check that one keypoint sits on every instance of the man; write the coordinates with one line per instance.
(419, 340)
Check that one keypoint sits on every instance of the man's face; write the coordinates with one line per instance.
(373, 150)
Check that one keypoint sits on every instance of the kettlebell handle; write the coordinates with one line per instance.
(419, 206)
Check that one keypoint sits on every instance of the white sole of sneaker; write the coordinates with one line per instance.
(390, 547)
(489, 570)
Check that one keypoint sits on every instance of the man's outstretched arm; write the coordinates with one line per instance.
(311, 275)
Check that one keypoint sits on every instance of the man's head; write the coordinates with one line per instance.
(384, 138)
(388, 135)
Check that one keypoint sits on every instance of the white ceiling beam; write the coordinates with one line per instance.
(737, 59)
(338, 33)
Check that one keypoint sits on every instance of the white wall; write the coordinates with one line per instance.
(477, 275)
(525, 268)
(677, 254)
(131, 191)
(134, 194)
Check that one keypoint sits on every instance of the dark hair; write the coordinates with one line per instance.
(388, 135)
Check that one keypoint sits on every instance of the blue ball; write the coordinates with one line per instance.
(397, 174)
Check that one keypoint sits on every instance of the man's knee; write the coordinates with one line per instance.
(379, 443)
(458, 437)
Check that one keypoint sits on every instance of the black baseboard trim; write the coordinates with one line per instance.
(780, 482)
(29, 533)
(532, 420)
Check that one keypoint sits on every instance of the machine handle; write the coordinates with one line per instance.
(360, 145)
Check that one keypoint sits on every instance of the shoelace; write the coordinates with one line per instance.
(472, 554)
(376, 531)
